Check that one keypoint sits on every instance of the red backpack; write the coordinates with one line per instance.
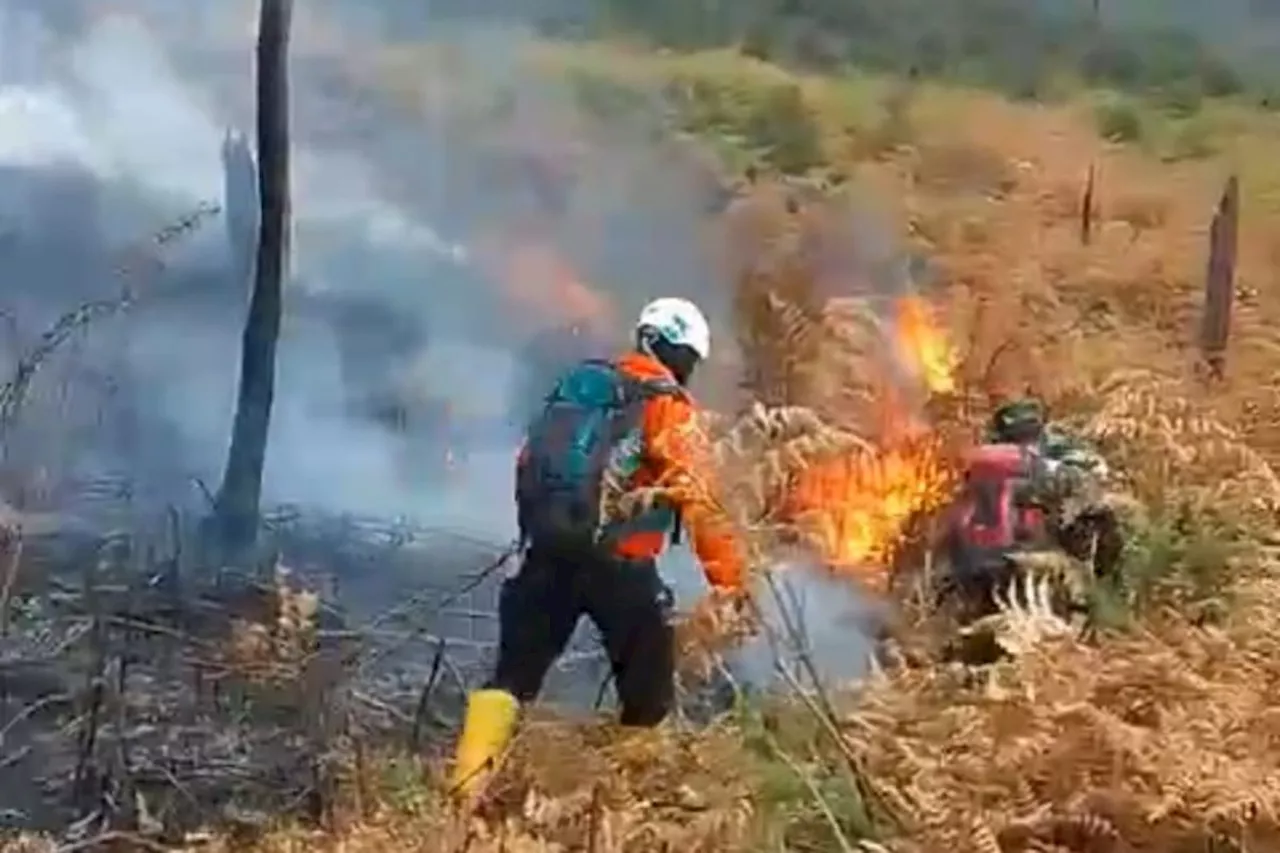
(991, 515)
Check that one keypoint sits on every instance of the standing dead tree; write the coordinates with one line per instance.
(1219, 285)
(240, 204)
(236, 508)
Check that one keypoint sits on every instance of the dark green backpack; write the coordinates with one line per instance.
(590, 424)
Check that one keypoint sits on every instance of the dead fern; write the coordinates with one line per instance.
(274, 650)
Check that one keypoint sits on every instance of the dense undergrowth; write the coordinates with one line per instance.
(1156, 729)
(1168, 50)
(1150, 733)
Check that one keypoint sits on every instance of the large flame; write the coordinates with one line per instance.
(855, 509)
(924, 345)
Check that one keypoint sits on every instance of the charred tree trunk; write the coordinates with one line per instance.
(240, 203)
(236, 508)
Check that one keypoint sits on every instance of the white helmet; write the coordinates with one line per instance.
(679, 322)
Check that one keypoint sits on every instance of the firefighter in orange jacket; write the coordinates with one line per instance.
(634, 415)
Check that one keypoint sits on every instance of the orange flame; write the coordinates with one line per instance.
(855, 509)
(924, 346)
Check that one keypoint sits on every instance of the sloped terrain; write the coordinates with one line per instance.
(1153, 730)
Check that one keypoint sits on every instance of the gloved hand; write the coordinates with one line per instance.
(734, 611)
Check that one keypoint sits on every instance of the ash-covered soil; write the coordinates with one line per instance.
(137, 691)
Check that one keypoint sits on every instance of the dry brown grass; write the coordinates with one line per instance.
(675, 791)
(1161, 738)
(275, 648)
(1157, 739)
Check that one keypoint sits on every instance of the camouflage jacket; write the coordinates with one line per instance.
(1064, 467)
(1072, 471)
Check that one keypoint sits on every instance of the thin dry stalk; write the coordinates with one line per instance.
(806, 778)
(15, 540)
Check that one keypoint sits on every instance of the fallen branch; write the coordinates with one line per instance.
(111, 838)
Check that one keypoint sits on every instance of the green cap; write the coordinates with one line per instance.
(1018, 420)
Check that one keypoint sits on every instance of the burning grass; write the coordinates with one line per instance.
(1155, 730)
(1150, 738)
(1141, 738)
(1152, 732)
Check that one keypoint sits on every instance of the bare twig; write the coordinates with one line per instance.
(95, 687)
(819, 702)
(479, 578)
(593, 818)
(10, 577)
(424, 700)
(108, 839)
(31, 710)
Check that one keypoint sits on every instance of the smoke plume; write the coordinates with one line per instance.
(416, 316)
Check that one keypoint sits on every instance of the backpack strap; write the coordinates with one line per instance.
(651, 388)
(669, 387)
(634, 389)
(661, 518)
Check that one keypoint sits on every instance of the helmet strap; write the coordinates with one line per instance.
(647, 338)
(679, 359)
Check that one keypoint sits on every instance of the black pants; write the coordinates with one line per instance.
(540, 607)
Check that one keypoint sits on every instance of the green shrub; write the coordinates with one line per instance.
(1192, 139)
(1119, 121)
(768, 118)
(1010, 45)
(606, 98)
(1182, 99)
(800, 782)
(1175, 560)
(784, 128)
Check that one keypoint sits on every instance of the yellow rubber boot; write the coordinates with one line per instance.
(488, 728)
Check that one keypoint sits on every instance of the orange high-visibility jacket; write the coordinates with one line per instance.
(676, 452)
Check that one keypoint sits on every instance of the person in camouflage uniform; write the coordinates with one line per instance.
(1023, 422)
(1067, 470)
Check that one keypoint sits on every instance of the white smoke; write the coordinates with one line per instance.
(39, 127)
(115, 104)
(139, 114)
